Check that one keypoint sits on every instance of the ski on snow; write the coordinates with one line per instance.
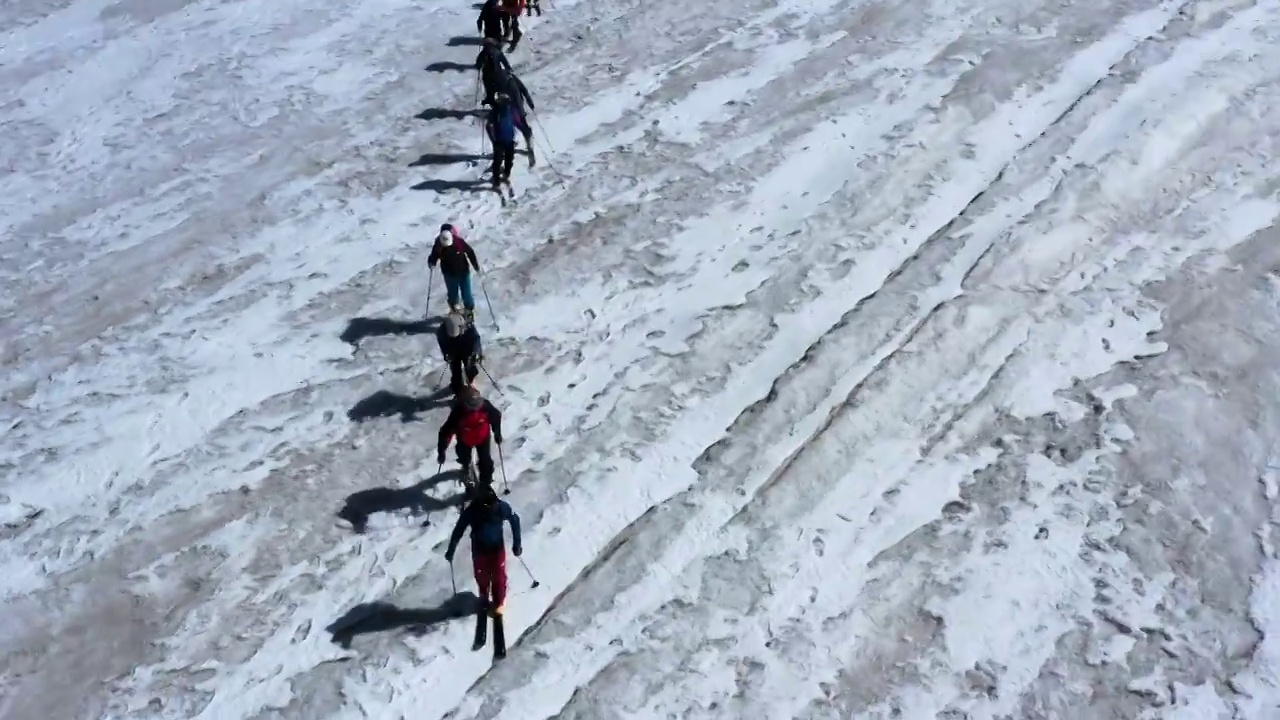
(482, 627)
(506, 197)
(482, 631)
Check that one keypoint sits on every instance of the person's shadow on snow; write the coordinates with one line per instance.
(385, 403)
(360, 505)
(382, 616)
(362, 327)
(444, 186)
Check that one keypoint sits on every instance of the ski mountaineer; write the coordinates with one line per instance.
(456, 258)
(460, 347)
(484, 517)
(472, 419)
(491, 20)
(519, 95)
(511, 11)
(503, 122)
(493, 67)
(533, 5)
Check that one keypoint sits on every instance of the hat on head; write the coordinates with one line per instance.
(454, 324)
(446, 235)
(472, 398)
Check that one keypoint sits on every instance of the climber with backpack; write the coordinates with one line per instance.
(472, 419)
(460, 347)
(502, 124)
(456, 259)
(484, 517)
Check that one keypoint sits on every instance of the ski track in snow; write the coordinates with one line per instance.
(858, 360)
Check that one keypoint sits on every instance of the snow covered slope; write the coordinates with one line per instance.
(859, 359)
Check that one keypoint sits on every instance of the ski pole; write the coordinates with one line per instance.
(527, 570)
(502, 463)
(492, 381)
(427, 522)
(547, 141)
(454, 579)
(431, 276)
(485, 290)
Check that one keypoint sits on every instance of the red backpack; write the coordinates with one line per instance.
(473, 429)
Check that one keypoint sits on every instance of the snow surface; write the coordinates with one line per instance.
(870, 359)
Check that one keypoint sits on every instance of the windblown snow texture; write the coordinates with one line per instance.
(861, 359)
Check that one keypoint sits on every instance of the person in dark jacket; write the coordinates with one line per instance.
(460, 347)
(491, 20)
(493, 67)
(456, 258)
(503, 122)
(484, 517)
(472, 419)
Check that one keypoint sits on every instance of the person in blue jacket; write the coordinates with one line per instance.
(460, 347)
(484, 517)
(502, 125)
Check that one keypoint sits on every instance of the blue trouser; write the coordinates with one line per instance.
(456, 286)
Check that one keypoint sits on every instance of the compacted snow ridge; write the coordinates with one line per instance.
(859, 360)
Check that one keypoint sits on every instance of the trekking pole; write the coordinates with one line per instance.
(527, 571)
(502, 463)
(431, 276)
(427, 522)
(484, 290)
(453, 578)
(492, 381)
(547, 141)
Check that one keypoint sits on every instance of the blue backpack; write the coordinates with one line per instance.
(504, 126)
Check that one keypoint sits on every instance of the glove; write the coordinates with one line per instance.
(440, 458)
(497, 438)
(448, 556)
(517, 550)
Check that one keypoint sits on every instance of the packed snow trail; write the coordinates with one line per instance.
(830, 333)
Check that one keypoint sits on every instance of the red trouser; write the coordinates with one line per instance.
(491, 575)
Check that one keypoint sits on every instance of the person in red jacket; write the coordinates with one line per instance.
(472, 419)
(456, 258)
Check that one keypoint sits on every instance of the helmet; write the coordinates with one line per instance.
(454, 324)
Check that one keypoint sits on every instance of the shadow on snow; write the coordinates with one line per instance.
(362, 327)
(447, 114)
(447, 66)
(441, 186)
(446, 159)
(387, 404)
(465, 40)
(383, 616)
(360, 505)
